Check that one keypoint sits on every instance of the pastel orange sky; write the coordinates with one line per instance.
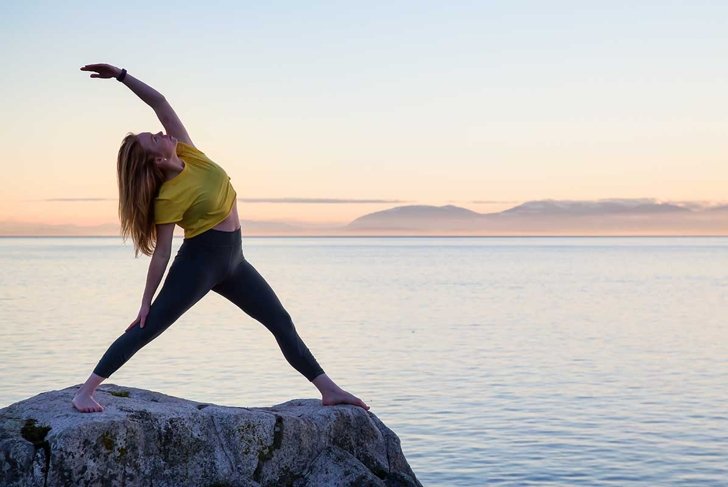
(371, 106)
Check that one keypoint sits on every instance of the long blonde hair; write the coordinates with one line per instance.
(139, 181)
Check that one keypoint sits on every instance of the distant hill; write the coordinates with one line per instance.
(718, 208)
(263, 226)
(550, 217)
(13, 228)
(113, 230)
(601, 207)
(419, 217)
(639, 216)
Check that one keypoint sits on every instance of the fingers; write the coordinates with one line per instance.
(87, 67)
(99, 68)
(141, 320)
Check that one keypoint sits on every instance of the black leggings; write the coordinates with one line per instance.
(213, 260)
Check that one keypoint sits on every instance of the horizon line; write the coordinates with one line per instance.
(406, 236)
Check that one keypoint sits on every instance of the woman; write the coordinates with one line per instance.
(165, 180)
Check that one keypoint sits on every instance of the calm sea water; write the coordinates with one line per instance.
(497, 361)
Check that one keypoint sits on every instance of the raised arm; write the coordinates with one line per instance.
(170, 121)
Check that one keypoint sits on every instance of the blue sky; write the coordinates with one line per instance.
(420, 102)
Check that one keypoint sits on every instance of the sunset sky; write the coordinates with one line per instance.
(326, 111)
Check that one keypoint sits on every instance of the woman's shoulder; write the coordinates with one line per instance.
(187, 148)
(191, 153)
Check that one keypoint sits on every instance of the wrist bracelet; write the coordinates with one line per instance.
(121, 75)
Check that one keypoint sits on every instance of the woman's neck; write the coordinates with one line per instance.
(173, 167)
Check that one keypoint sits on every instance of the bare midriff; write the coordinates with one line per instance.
(231, 222)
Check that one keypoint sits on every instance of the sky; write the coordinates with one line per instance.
(326, 111)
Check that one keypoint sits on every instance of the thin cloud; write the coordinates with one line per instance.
(261, 200)
(691, 204)
(79, 199)
(698, 204)
(317, 200)
(493, 202)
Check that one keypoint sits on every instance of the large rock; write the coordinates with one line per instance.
(144, 438)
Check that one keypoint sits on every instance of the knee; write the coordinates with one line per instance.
(283, 322)
(285, 318)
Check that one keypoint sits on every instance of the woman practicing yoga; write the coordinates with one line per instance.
(165, 180)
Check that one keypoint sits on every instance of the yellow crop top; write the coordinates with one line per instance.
(199, 197)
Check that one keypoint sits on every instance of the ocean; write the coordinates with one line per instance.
(506, 361)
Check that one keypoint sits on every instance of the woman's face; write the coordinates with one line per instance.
(159, 143)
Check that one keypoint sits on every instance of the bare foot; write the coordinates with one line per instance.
(86, 403)
(340, 396)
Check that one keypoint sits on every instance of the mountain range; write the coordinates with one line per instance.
(640, 216)
(554, 217)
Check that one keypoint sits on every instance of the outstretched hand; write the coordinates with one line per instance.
(102, 70)
(141, 317)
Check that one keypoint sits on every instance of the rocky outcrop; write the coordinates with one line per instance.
(145, 438)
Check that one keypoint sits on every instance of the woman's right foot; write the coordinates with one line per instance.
(86, 403)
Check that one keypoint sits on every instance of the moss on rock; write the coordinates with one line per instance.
(33, 433)
(107, 439)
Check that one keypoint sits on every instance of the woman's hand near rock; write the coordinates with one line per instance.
(141, 317)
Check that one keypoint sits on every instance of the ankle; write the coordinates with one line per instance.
(325, 385)
(89, 387)
(85, 391)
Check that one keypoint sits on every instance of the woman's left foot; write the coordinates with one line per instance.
(342, 397)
